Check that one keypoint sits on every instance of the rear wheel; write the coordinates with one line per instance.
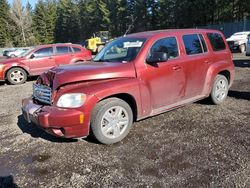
(220, 89)
(111, 120)
(16, 76)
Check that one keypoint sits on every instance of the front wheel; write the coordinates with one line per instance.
(111, 120)
(219, 90)
(16, 76)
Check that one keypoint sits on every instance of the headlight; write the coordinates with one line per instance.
(71, 100)
(1, 66)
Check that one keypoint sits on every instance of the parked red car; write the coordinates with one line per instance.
(39, 59)
(133, 77)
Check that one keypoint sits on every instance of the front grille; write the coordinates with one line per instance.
(42, 93)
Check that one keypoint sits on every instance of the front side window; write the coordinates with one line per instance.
(166, 45)
(216, 41)
(192, 44)
(121, 50)
(43, 52)
(63, 50)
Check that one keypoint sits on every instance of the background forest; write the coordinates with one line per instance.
(76, 20)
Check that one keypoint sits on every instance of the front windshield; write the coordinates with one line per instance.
(120, 50)
(27, 52)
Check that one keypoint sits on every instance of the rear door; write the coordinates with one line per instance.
(63, 55)
(41, 60)
(196, 62)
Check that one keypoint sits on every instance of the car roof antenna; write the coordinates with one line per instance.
(131, 25)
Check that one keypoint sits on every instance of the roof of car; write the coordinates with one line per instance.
(148, 34)
(58, 44)
(242, 33)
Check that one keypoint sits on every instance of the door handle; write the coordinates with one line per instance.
(49, 57)
(177, 67)
(207, 61)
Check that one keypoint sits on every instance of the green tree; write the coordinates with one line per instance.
(44, 21)
(67, 24)
(4, 21)
(20, 24)
(101, 15)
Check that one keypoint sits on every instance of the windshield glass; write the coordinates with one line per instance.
(120, 50)
(26, 52)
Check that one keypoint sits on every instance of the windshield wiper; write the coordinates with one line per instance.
(101, 60)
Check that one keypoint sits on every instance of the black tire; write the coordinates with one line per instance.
(16, 76)
(98, 118)
(219, 90)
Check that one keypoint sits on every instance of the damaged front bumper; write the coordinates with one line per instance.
(67, 123)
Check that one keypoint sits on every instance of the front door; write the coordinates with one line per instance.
(41, 60)
(165, 80)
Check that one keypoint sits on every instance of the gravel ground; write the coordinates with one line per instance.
(199, 145)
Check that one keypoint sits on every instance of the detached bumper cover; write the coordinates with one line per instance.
(68, 123)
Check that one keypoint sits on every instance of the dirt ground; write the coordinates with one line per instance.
(199, 145)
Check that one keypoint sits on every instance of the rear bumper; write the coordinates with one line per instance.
(67, 123)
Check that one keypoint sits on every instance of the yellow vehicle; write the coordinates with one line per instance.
(97, 42)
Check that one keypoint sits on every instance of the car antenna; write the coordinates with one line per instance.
(130, 26)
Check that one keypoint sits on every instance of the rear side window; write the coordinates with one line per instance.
(76, 49)
(63, 50)
(216, 41)
(192, 44)
(167, 45)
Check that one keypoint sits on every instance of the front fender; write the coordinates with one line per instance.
(101, 89)
(13, 65)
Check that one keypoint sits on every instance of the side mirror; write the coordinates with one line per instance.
(157, 57)
(32, 56)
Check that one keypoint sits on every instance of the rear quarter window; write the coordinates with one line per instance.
(216, 41)
(76, 49)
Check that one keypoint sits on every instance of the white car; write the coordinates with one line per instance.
(238, 41)
(16, 52)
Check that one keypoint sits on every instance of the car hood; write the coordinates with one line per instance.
(11, 60)
(89, 71)
(235, 37)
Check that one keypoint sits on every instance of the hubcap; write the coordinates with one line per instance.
(17, 76)
(221, 90)
(114, 122)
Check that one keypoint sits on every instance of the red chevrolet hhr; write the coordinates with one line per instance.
(39, 59)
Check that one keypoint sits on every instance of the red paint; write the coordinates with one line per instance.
(36, 66)
(154, 89)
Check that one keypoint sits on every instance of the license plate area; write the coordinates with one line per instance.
(29, 111)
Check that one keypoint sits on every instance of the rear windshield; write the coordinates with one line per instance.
(216, 41)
